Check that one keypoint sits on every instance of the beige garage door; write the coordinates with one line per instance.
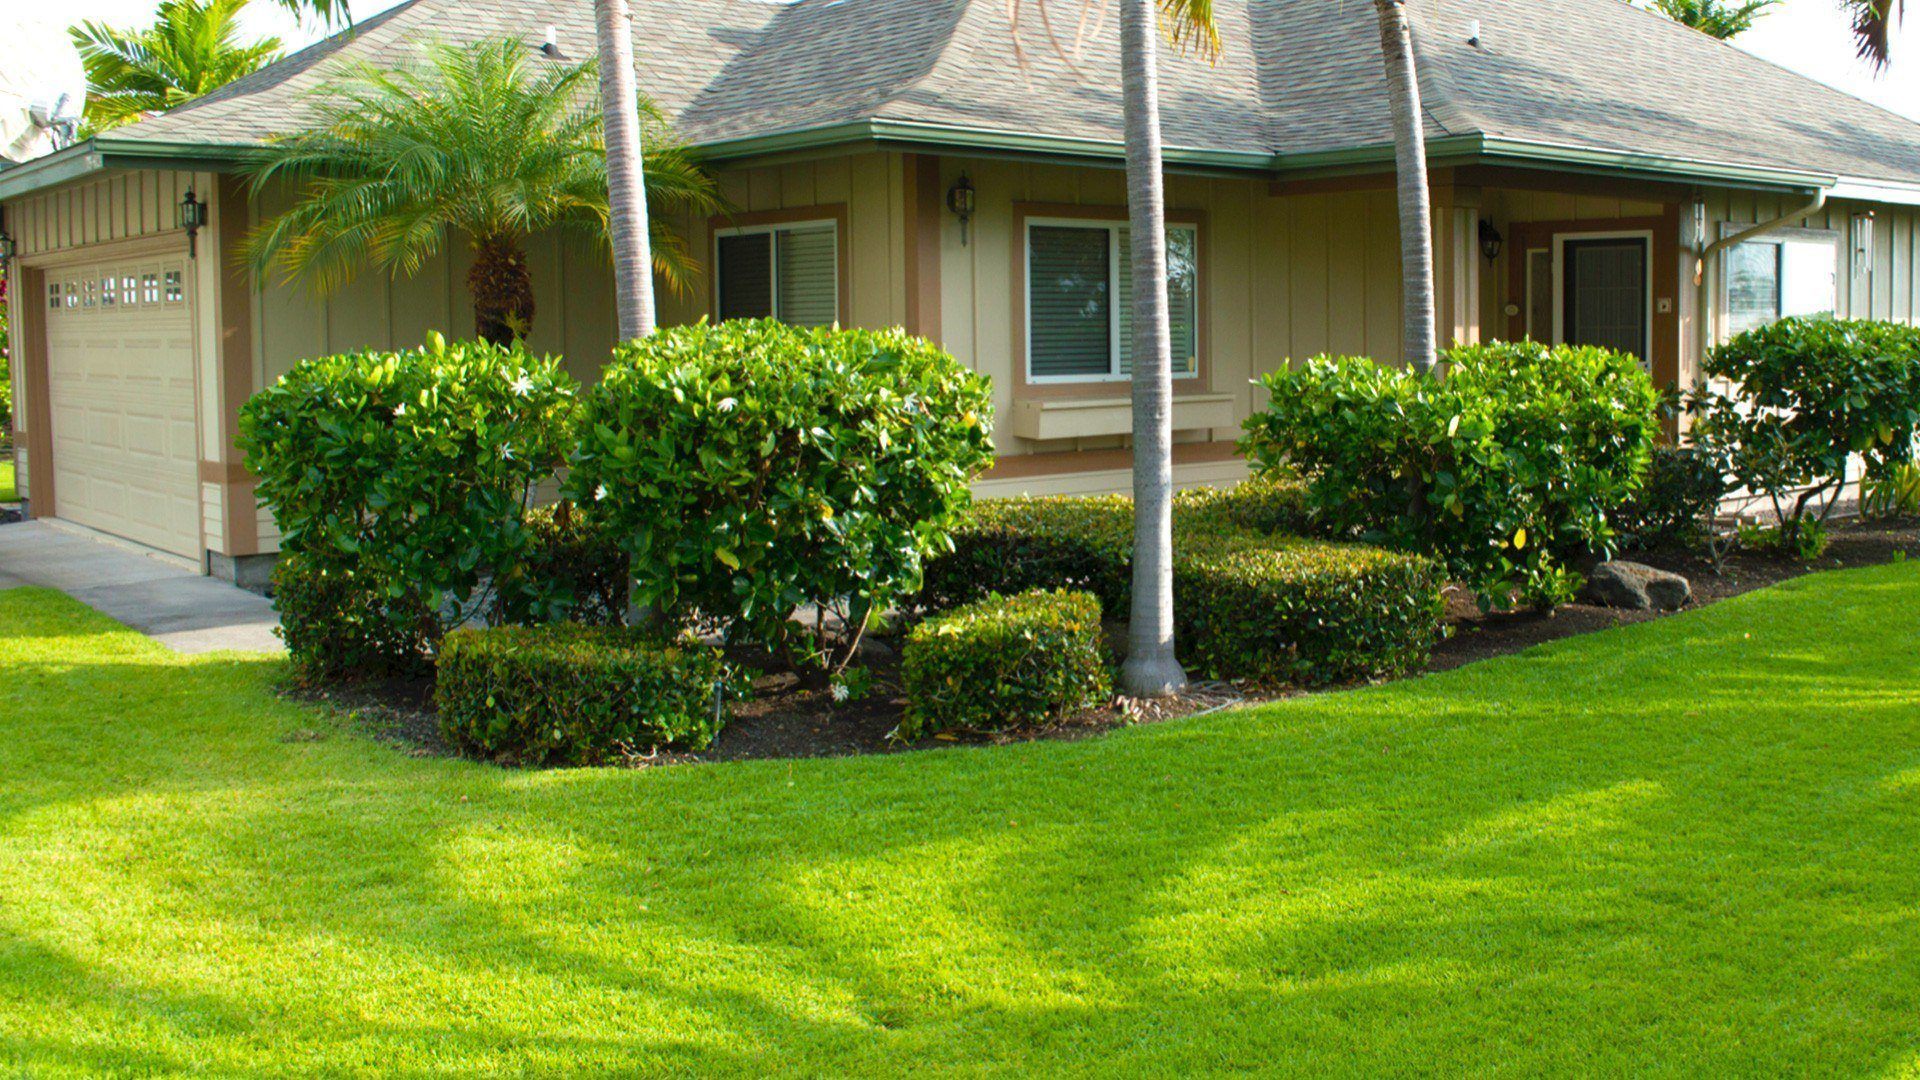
(120, 369)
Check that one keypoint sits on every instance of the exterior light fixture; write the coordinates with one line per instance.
(1490, 240)
(193, 216)
(960, 200)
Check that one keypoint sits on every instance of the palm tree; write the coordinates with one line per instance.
(1151, 668)
(1873, 23)
(487, 139)
(1723, 19)
(628, 222)
(192, 47)
(1419, 334)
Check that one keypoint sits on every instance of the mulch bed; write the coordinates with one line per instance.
(786, 720)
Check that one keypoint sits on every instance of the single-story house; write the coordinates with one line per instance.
(1587, 157)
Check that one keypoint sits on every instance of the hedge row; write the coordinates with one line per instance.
(574, 695)
(1003, 662)
(1248, 603)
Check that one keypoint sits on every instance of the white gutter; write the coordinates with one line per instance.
(1709, 306)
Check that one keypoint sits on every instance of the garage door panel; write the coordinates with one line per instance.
(121, 379)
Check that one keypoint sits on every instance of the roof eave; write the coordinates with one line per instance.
(102, 153)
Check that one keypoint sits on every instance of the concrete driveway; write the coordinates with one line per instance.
(158, 596)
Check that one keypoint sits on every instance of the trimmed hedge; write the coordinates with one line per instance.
(342, 623)
(1247, 604)
(1275, 502)
(1004, 662)
(574, 695)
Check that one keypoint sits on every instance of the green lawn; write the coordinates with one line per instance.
(7, 492)
(1688, 848)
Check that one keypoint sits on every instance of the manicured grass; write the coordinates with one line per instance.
(7, 492)
(1691, 847)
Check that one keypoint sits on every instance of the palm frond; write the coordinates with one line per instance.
(1873, 24)
(490, 139)
(192, 47)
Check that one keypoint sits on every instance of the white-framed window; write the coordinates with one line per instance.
(174, 283)
(1784, 273)
(72, 294)
(109, 291)
(1079, 300)
(789, 271)
(129, 290)
(150, 287)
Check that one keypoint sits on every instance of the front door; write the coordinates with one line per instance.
(1604, 294)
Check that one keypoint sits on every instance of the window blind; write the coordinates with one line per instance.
(1069, 301)
(808, 274)
(1183, 278)
(746, 276)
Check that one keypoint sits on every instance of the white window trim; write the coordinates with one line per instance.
(830, 225)
(1113, 227)
(1560, 284)
(1723, 299)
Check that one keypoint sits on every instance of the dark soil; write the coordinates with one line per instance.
(785, 719)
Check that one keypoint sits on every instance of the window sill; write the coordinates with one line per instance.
(1081, 418)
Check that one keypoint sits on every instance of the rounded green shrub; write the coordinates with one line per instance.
(565, 694)
(1502, 468)
(1797, 399)
(341, 623)
(412, 468)
(1004, 662)
(752, 468)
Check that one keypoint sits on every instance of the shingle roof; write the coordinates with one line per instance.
(1296, 77)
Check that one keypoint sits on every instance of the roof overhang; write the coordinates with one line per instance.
(103, 153)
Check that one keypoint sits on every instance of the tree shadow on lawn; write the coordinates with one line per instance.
(1670, 847)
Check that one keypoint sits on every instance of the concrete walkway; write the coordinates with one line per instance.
(157, 596)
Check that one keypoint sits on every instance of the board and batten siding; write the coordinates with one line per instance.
(1282, 277)
(1885, 287)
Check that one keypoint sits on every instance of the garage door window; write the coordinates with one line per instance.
(176, 288)
(109, 293)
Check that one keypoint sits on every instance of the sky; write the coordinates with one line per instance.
(1809, 36)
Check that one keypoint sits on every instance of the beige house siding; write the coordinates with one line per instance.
(1282, 277)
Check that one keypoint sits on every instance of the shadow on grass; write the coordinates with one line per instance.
(1680, 846)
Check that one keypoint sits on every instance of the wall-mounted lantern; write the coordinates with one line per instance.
(193, 216)
(960, 200)
(1490, 240)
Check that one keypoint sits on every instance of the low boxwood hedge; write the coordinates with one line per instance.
(566, 694)
(1249, 603)
(1004, 662)
(340, 623)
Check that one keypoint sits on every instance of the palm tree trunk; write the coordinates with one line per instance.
(1418, 342)
(502, 291)
(627, 190)
(1151, 669)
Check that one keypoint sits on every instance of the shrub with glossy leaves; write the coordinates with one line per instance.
(1503, 467)
(572, 572)
(565, 694)
(340, 623)
(1248, 603)
(1798, 398)
(1004, 662)
(752, 468)
(1676, 502)
(411, 468)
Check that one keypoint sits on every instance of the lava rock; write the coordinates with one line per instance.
(1637, 587)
